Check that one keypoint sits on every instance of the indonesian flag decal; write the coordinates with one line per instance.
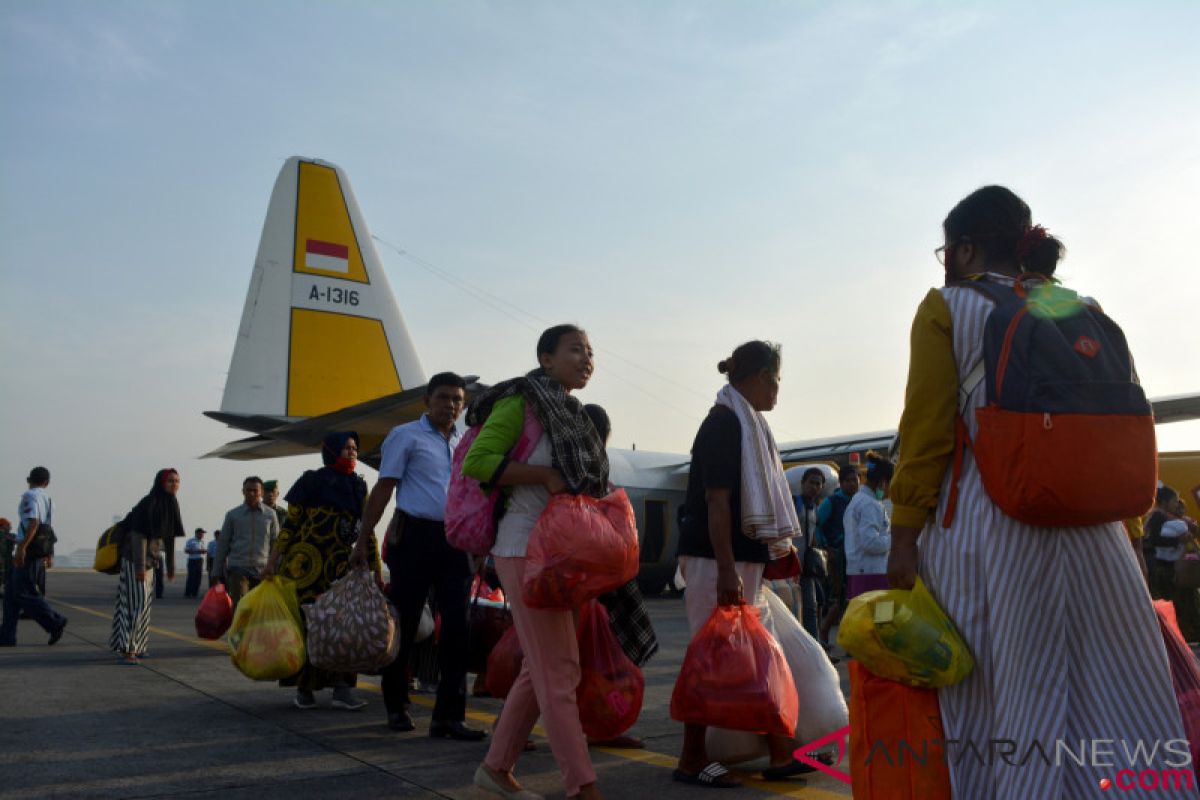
(326, 256)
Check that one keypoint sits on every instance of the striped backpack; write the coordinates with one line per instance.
(1067, 436)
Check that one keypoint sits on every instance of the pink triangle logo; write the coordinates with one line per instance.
(840, 739)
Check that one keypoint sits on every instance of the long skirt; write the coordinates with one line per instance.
(131, 621)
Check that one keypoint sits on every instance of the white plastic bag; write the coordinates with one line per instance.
(426, 626)
(822, 706)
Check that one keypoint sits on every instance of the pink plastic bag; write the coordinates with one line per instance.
(215, 614)
(611, 686)
(1185, 677)
(580, 548)
(504, 664)
(471, 511)
(735, 676)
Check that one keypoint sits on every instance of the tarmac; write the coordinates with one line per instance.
(75, 722)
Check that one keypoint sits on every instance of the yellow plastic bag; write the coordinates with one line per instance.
(266, 641)
(905, 636)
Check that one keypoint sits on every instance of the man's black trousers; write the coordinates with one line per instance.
(419, 561)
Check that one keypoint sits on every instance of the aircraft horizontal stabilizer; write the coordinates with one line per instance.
(373, 420)
(258, 447)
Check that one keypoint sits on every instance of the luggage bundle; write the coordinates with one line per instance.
(735, 676)
(215, 614)
(580, 548)
(352, 627)
(266, 639)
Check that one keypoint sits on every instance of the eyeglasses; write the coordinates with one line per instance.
(940, 253)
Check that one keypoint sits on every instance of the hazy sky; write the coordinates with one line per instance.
(676, 177)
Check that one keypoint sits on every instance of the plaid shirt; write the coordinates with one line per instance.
(630, 622)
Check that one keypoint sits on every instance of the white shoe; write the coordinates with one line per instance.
(484, 780)
(345, 698)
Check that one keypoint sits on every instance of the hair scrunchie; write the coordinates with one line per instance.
(1029, 240)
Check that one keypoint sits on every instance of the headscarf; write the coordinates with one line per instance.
(328, 486)
(576, 449)
(156, 516)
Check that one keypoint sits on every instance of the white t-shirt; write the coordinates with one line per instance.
(525, 505)
(35, 504)
(1171, 529)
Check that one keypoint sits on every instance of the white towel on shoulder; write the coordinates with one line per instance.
(768, 511)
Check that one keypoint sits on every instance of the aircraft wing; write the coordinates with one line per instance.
(835, 448)
(1176, 408)
(373, 420)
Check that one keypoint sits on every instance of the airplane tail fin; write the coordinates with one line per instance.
(320, 328)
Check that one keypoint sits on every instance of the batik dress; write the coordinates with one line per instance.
(1067, 648)
(315, 543)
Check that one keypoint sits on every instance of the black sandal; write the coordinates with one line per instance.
(795, 768)
(714, 776)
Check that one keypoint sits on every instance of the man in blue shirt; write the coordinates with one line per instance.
(195, 563)
(21, 592)
(416, 463)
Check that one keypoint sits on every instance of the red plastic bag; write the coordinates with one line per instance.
(611, 686)
(735, 676)
(580, 548)
(215, 614)
(1185, 677)
(886, 717)
(504, 664)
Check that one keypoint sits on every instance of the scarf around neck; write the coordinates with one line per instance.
(575, 446)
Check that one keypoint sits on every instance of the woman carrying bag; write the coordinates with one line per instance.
(148, 534)
(569, 457)
(739, 517)
(313, 549)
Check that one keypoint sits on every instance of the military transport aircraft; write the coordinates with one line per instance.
(322, 347)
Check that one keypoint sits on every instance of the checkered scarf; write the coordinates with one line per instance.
(576, 449)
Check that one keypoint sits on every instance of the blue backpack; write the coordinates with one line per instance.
(1067, 436)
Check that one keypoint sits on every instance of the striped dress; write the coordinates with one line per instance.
(131, 621)
(1066, 644)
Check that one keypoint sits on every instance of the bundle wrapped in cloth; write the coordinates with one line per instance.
(352, 627)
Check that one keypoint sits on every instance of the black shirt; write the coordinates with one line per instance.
(717, 464)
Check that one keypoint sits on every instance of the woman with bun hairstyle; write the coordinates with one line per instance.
(867, 538)
(1066, 646)
(568, 457)
(738, 513)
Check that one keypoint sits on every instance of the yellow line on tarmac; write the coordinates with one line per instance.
(643, 756)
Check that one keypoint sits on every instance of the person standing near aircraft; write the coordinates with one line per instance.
(867, 538)
(26, 569)
(1065, 641)
(812, 586)
(568, 457)
(210, 556)
(8, 544)
(194, 549)
(148, 532)
(325, 509)
(248, 534)
(735, 484)
(271, 499)
(415, 464)
(831, 534)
